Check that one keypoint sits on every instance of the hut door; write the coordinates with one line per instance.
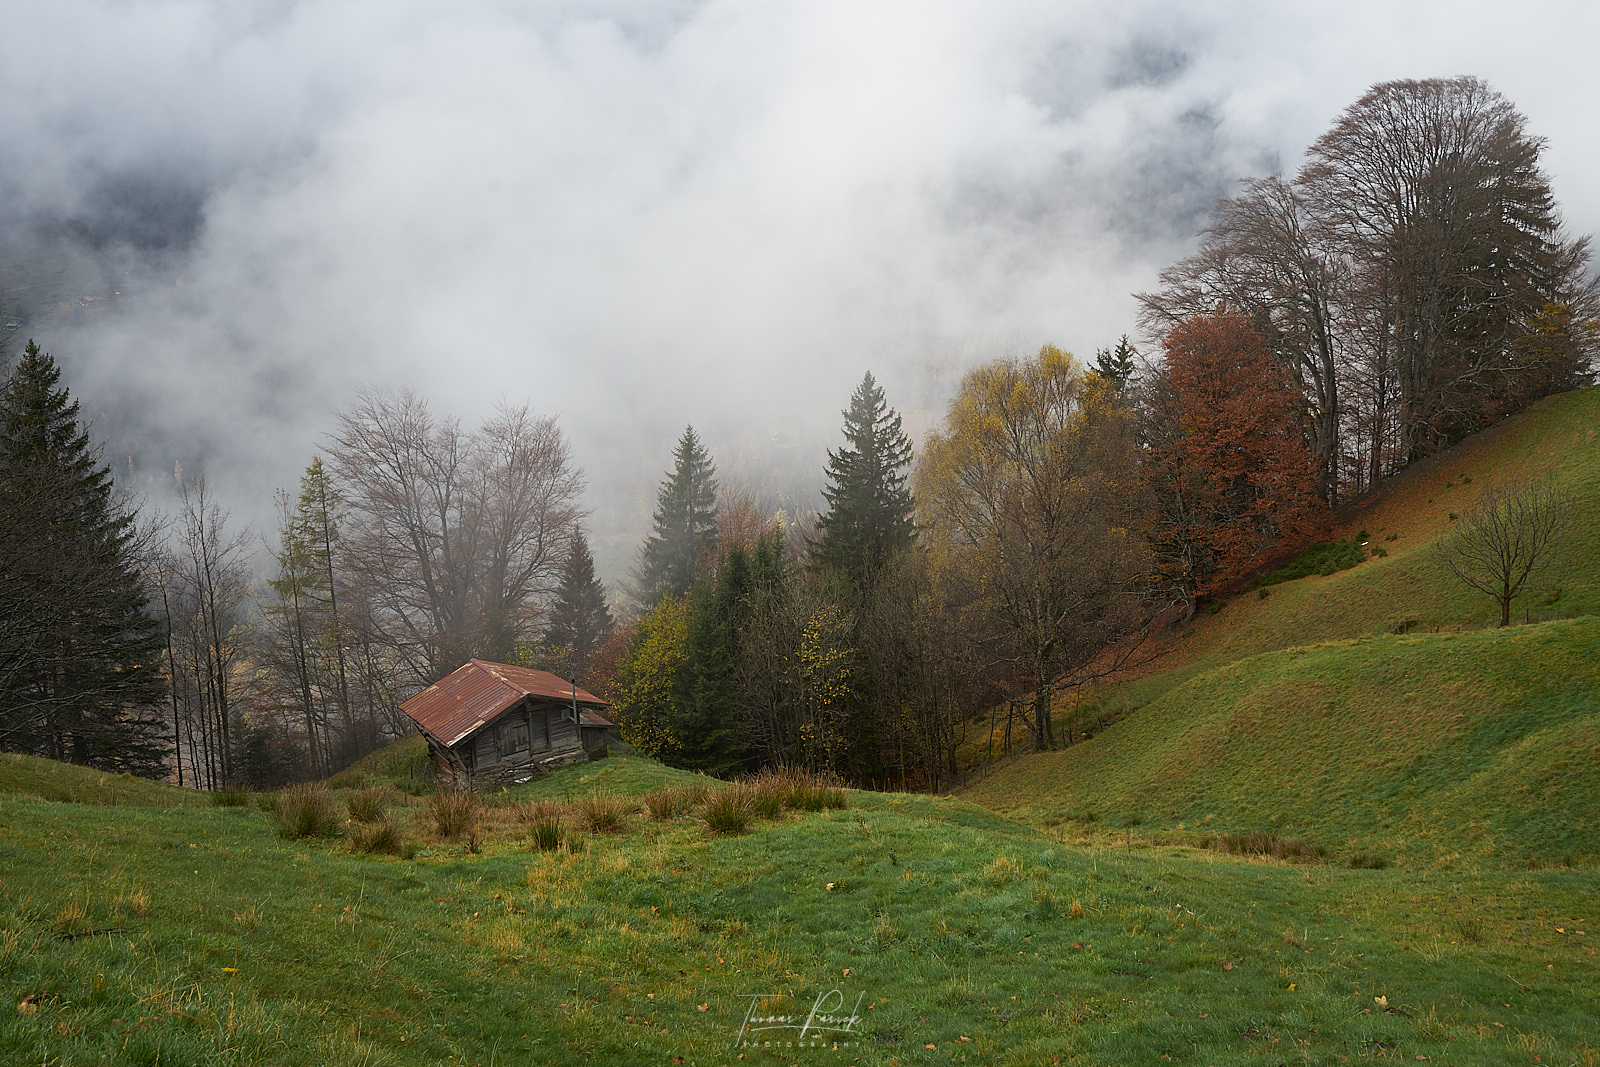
(515, 741)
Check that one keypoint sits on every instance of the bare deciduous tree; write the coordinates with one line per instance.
(1503, 539)
(455, 539)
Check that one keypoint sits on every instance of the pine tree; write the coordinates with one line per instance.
(80, 659)
(1115, 365)
(869, 504)
(579, 620)
(685, 523)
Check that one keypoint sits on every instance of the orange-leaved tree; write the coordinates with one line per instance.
(1226, 461)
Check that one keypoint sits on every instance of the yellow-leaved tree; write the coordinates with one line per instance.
(1030, 500)
(647, 677)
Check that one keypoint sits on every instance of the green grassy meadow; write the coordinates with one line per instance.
(179, 936)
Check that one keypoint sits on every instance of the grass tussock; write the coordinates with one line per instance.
(1368, 861)
(368, 805)
(1289, 849)
(668, 803)
(455, 813)
(544, 822)
(306, 811)
(800, 790)
(379, 837)
(230, 797)
(604, 815)
(730, 811)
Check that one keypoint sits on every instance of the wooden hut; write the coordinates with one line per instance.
(492, 719)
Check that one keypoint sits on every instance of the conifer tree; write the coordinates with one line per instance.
(1115, 365)
(869, 504)
(79, 654)
(685, 523)
(706, 703)
(579, 620)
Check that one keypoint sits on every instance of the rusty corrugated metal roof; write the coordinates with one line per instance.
(478, 692)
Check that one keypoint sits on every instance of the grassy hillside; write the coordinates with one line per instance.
(1450, 749)
(1371, 710)
(1557, 436)
(146, 935)
(49, 780)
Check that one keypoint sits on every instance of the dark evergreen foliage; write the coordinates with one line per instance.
(707, 725)
(685, 524)
(579, 620)
(869, 516)
(79, 654)
(1115, 365)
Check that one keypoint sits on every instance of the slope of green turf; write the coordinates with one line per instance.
(1467, 748)
(49, 780)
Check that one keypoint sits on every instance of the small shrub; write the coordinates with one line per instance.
(1454, 516)
(730, 811)
(604, 815)
(368, 805)
(1263, 592)
(230, 797)
(454, 813)
(306, 811)
(376, 837)
(1379, 552)
(1216, 606)
(1367, 861)
(1465, 480)
(1392, 537)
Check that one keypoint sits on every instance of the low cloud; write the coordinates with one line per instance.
(646, 215)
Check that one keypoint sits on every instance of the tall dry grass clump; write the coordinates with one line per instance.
(377, 837)
(455, 813)
(668, 802)
(801, 790)
(368, 805)
(305, 811)
(543, 822)
(604, 815)
(730, 811)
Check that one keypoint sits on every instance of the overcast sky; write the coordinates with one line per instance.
(645, 215)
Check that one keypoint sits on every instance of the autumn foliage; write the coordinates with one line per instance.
(1226, 460)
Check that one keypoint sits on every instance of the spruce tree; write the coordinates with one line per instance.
(685, 523)
(1115, 365)
(706, 702)
(80, 661)
(579, 620)
(869, 517)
